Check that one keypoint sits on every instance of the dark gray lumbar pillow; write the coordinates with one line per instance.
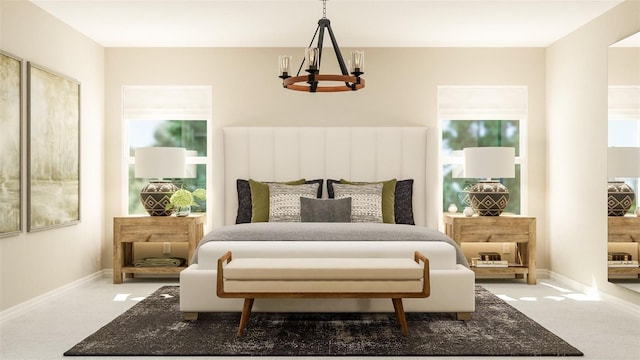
(325, 210)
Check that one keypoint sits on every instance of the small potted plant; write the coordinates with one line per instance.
(182, 201)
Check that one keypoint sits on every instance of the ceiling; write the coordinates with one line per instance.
(356, 23)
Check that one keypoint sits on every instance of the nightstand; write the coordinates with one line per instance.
(128, 230)
(623, 235)
(505, 229)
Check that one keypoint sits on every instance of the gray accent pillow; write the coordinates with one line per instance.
(366, 201)
(284, 201)
(325, 210)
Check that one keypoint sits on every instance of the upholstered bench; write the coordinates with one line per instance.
(393, 278)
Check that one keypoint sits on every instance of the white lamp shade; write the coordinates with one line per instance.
(623, 162)
(489, 162)
(160, 162)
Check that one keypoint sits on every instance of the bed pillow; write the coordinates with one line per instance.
(319, 182)
(402, 204)
(325, 210)
(245, 208)
(244, 201)
(388, 195)
(366, 201)
(260, 198)
(284, 201)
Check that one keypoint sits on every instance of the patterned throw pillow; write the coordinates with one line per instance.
(245, 207)
(403, 201)
(388, 197)
(260, 199)
(366, 201)
(284, 201)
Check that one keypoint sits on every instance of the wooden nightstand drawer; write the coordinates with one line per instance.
(154, 233)
(624, 229)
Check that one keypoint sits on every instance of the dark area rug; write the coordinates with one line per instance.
(154, 327)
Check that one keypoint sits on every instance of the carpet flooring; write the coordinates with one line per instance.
(154, 327)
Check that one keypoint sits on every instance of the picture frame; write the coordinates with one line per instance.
(53, 159)
(10, 145)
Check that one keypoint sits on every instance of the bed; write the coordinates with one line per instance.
(322, 156)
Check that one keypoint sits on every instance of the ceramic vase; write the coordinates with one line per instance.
(468, 211)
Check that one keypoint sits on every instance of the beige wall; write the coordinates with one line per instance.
(577, 142)
(623, 65)
(568, 79)
(401, 91)
(32, 264)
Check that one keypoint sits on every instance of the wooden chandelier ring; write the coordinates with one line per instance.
(290, 83)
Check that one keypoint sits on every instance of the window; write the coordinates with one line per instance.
(458, 134)
(172, 116)
(477, 117)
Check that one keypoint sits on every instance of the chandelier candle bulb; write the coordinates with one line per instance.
(312, 58)
(284, 66)
(357, 60)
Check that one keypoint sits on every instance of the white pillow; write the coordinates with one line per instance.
(366, 201)
(284, 201)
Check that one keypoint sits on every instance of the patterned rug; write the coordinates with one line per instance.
(154, 327)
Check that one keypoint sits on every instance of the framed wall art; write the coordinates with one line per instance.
(53, 120)
(10, 145)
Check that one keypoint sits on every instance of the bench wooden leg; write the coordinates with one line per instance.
(463, 316)
(397, 306)
(246, 312)
(190, 316)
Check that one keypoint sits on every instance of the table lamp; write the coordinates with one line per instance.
(158, 163)
(489, 197)
(622, 162)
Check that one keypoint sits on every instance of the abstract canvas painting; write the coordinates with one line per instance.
(53, 113)
(10, 145)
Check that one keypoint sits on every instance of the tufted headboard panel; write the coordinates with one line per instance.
(288, 153)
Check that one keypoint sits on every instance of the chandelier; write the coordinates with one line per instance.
(313, 56)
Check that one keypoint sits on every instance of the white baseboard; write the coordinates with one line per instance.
(26, 306)
(621, 303)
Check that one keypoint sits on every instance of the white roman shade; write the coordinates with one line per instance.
(624, 102)
(166, 102)
(482, 102)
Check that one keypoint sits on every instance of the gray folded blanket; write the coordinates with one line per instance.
(159, 262)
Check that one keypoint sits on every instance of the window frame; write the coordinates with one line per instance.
(187, 113)
(497, 111)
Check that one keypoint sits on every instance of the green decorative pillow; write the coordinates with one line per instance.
(260, 199)
(388, 197)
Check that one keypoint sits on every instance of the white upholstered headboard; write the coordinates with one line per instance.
(288, 153)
